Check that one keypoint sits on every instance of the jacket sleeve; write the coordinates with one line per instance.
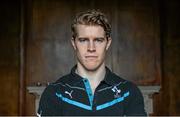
(134, 105)
(49, 104)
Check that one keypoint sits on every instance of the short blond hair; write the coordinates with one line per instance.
(91, 17)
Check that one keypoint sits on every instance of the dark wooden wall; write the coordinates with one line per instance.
(145, 47)
(9, 57)
(170, 43)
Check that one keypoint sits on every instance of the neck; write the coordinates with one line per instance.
(94, 77)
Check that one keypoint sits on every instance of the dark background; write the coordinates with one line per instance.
(35, 47)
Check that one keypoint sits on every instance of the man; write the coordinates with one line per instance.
(91, 88)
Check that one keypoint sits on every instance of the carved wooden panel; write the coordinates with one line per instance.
(136, 42)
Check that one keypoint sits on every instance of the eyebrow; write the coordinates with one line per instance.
(102, 38)
(83, 38)
(94, 38)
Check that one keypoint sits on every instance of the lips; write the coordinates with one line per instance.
(91, 56)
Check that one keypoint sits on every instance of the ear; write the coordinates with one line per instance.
(108, 43)
(73, 43)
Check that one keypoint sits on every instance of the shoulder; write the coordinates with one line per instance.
(127, 86)
(62, 80)
(134, 94)
(55, 86)
(133, 89)
(117, 78)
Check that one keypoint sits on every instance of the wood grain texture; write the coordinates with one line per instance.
(172, 57)
(9, 57)
(136, 51)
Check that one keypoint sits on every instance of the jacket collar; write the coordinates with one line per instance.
(110, 78)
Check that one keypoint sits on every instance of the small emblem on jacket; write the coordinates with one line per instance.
(69, 93)
(116, 91)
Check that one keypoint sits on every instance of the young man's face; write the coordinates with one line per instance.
(90, 46)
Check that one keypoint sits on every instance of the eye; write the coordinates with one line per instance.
(82, 40)
(100, 40)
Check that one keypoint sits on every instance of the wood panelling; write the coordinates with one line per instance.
(135, 49)
(171, 55)
(168, 101)
(9, 57)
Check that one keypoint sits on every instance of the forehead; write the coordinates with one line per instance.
(92, 30)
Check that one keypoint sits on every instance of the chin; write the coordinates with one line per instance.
(91, 67)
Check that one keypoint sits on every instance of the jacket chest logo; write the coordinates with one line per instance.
(69, 93)
(116, 91)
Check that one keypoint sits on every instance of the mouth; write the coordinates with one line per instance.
(90, 56)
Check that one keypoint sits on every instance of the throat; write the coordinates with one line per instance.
(94, 77)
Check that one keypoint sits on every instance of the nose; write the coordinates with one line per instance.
(91, 46)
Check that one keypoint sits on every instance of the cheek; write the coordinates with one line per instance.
(102, 51)
(80, 51)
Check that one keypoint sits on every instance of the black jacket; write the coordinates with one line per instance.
(71, 95)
